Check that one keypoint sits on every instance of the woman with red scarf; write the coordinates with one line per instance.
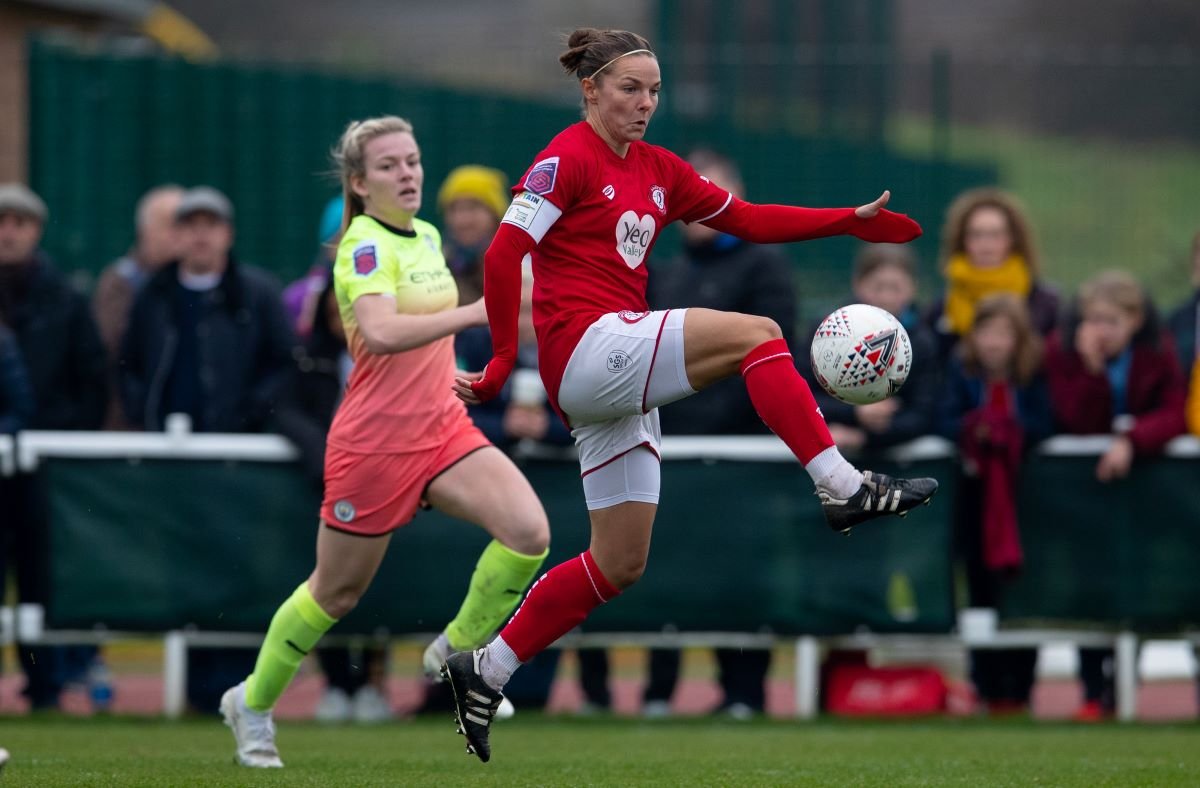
(995, 407)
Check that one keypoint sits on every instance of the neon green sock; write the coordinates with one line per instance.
(497, 586)
(295, 629)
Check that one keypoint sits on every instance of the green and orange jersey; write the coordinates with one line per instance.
(399, 402)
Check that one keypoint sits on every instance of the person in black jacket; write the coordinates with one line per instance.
(16, 397)
(209, 338)
(64, 359)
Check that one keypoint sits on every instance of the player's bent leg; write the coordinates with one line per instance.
(712, 340)
(715, 343)
(486, 488)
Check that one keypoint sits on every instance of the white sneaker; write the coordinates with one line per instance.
(656, 709)
(739, 711)
(334, 706)
(370, 706)
(254, 731)
(434, 657)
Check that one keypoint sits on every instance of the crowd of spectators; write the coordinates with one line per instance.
(179, 325)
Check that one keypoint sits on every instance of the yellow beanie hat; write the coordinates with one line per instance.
(485, 184)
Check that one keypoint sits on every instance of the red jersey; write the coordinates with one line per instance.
(596, 217)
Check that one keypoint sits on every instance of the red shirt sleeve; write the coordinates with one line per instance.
(785, 223)
(693, 197)
(696, 199)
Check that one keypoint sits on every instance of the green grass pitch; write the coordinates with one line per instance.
(537, 750)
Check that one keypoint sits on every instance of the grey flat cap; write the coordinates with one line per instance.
(19, 198)
(204, 199)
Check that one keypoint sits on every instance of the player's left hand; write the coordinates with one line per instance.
(462, 386)
(872, 208)
(883, 226)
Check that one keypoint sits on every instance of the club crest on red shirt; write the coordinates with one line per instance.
(364, 260)
(659, 195)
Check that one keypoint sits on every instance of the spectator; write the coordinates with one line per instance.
(472, 200)
(64, 359)
(1184, 327)
(302, 297)
(988, 247)
(1113, 370)
(885, 275)
(208, 337)
(156, 244)
(16, 397)
(995, 406)
(355, 683)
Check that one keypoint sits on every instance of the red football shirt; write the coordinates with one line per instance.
(595, 217)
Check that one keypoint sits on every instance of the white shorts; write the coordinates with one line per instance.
(625, 366)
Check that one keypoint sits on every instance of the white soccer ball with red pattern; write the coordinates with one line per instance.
(861, 354)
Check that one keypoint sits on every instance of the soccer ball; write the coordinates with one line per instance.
(861, 354)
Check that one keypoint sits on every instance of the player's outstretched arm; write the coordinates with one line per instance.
(387, 331)
(787, 223)
(502, 293)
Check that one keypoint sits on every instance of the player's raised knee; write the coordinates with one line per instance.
(625, 571)
(759, 330)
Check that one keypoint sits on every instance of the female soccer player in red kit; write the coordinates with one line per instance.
(587, 213)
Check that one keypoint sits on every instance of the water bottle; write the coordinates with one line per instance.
(100, 687)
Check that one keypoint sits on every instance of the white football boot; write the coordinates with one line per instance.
(254, 731)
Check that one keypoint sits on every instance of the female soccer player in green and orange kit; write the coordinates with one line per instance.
(400, 436)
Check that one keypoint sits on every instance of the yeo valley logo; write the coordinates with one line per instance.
(634, 234)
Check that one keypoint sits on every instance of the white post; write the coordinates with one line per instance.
(1126, 678)
(174, 674)
(808, 665)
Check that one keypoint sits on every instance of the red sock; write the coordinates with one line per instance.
(784, 401)
(556, 604)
